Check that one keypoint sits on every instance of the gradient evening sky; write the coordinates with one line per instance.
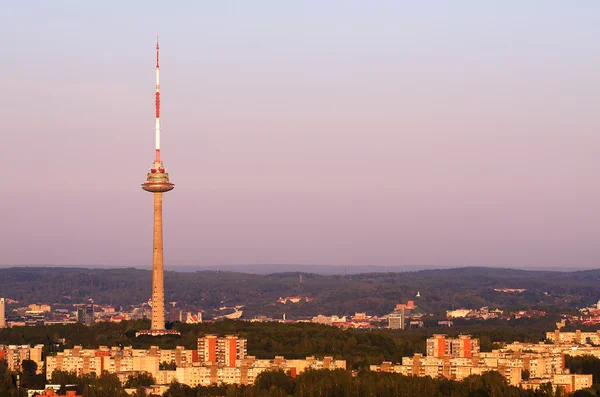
(317, 132)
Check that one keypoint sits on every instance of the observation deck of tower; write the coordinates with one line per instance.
(157, 183)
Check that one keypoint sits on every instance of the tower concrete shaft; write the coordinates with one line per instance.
(158, 281)
(157, 183)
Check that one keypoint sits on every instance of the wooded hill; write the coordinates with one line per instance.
(374, 293)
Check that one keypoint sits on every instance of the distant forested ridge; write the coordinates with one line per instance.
(374, 293)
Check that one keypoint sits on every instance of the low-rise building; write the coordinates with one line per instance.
(577, 337)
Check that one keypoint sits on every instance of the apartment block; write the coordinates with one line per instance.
(567, 382)
(439, 345)
(460, 357)
(229, 363)
(88, 361)
(576, 337)
(14, 355)
(224, 351)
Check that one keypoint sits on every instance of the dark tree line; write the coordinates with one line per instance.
(324, 383)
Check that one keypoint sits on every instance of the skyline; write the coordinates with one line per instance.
(320, 134)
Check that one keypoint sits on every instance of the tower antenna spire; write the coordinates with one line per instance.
(157, 163)
(157, 66)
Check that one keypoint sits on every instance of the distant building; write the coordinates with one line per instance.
(2, 313)
(458, 313)
(410, 305)
(52, 393)
(138, 313)
(85, 314)
(33, 308)
(262, 319)
(415, 324)
(328, 320)
(190, 318)
(396, 320)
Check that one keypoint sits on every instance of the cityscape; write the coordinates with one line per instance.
(372, 200)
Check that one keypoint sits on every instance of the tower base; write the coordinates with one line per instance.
(156, 332)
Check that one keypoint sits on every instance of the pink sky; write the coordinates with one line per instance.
(339, 134)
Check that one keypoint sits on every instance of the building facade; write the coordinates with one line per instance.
(2, 313)
(441, 346)
(225, 351)
(189, 369)
(14, 355)
(458, 358)
(396, 320)
(86, 314)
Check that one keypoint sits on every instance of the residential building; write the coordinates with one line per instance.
(14, 355)
(576, 337)
(127, 361)
(224, 351)
(441, 346)
(458, 358)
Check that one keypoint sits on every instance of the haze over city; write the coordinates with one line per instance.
(323, 133)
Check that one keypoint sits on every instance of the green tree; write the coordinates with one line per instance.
(177, 389)
(585, 393)
(275, 379)
(545, 390)
(7, 385)
(139, 379)
(168, 366)
(108, 385)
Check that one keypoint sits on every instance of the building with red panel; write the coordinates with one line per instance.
(223, 351)
(441, 346)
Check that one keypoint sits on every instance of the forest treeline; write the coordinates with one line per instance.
(375, 293)
(319, 383)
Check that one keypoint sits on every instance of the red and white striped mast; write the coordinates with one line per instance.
(157, 164)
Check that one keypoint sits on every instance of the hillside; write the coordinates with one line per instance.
(375, 293)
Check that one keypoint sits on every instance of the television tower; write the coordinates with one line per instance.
(157, 183)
